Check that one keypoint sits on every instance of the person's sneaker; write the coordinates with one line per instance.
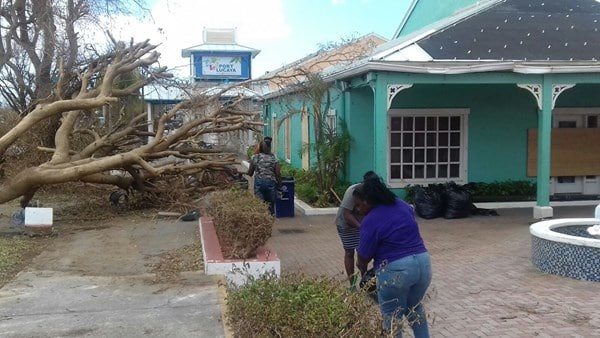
(353, 282)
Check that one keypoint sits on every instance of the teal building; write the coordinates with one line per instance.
(469, 91)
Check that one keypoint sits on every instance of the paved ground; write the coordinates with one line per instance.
(484, 283)
(97, 283)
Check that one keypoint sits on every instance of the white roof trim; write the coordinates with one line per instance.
(449, 68)
(409, 41)
(410, 53)
(208, 47)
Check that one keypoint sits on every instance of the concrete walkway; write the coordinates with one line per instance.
(484, 283)
(97, 284)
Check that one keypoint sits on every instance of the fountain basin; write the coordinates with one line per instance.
(563, 247)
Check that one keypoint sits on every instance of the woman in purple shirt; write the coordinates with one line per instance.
(389, 235)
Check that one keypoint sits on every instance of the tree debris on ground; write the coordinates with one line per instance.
(172, 263)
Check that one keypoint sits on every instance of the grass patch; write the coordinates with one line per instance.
(16, 252)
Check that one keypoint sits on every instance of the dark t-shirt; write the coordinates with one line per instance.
(390, 232)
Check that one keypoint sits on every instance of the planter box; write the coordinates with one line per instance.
(307, 210)
(236, 271)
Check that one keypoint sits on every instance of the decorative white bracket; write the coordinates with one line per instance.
(535, 90)
(557, 90)
(393, 90)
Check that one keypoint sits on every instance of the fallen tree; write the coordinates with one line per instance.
(125, 155)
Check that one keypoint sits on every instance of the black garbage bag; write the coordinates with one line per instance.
(429, 202)
(459, 202)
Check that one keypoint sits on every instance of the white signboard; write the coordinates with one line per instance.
(222, 65)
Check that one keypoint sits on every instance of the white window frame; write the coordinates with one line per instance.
(464, 144)
(585, 111)
(274, 133)
(331, 120)
(287, 135)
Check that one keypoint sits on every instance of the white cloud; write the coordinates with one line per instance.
(178, 24)
(338, 2)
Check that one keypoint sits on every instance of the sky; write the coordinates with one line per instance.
(284, 30)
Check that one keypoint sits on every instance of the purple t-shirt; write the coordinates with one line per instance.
(388, 233)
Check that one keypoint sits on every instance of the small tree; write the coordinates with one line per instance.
(331, 146)
(305, 83)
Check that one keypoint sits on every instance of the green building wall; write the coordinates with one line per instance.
(582, 95)
(281, 107)
(497, 130)
(293, 104)
(359, 121)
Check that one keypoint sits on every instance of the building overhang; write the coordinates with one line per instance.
(465, 67)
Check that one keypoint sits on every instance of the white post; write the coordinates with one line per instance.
(150, 121)
(597, 212)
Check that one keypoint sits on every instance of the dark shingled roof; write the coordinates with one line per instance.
(530, 30)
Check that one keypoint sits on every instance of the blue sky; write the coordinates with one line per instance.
(284, 30)
(318, 21)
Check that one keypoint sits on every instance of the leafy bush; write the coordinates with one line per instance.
(341, 188)
(307, 192)
(298, 306)
(307, 189)
(506, 188)
(242, 222)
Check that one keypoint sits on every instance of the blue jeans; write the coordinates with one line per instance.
(401, 286)
(265, 190)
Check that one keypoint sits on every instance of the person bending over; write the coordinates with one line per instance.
(389, 235)
(347, 222)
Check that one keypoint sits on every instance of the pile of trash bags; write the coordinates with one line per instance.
(446, 200)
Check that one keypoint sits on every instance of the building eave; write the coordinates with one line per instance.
(466, 67)
(186, 52)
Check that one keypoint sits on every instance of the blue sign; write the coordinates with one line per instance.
(222, 66)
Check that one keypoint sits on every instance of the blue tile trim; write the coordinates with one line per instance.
(564, 259)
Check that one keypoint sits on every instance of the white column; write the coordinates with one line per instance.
(150, 121)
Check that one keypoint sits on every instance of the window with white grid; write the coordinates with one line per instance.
(427, 145)
(331, 120)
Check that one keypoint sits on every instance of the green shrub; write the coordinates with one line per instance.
(506, 188)
(298, 306)
(242, 222)
(307, 192)
(307, 189)
(341, 188)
